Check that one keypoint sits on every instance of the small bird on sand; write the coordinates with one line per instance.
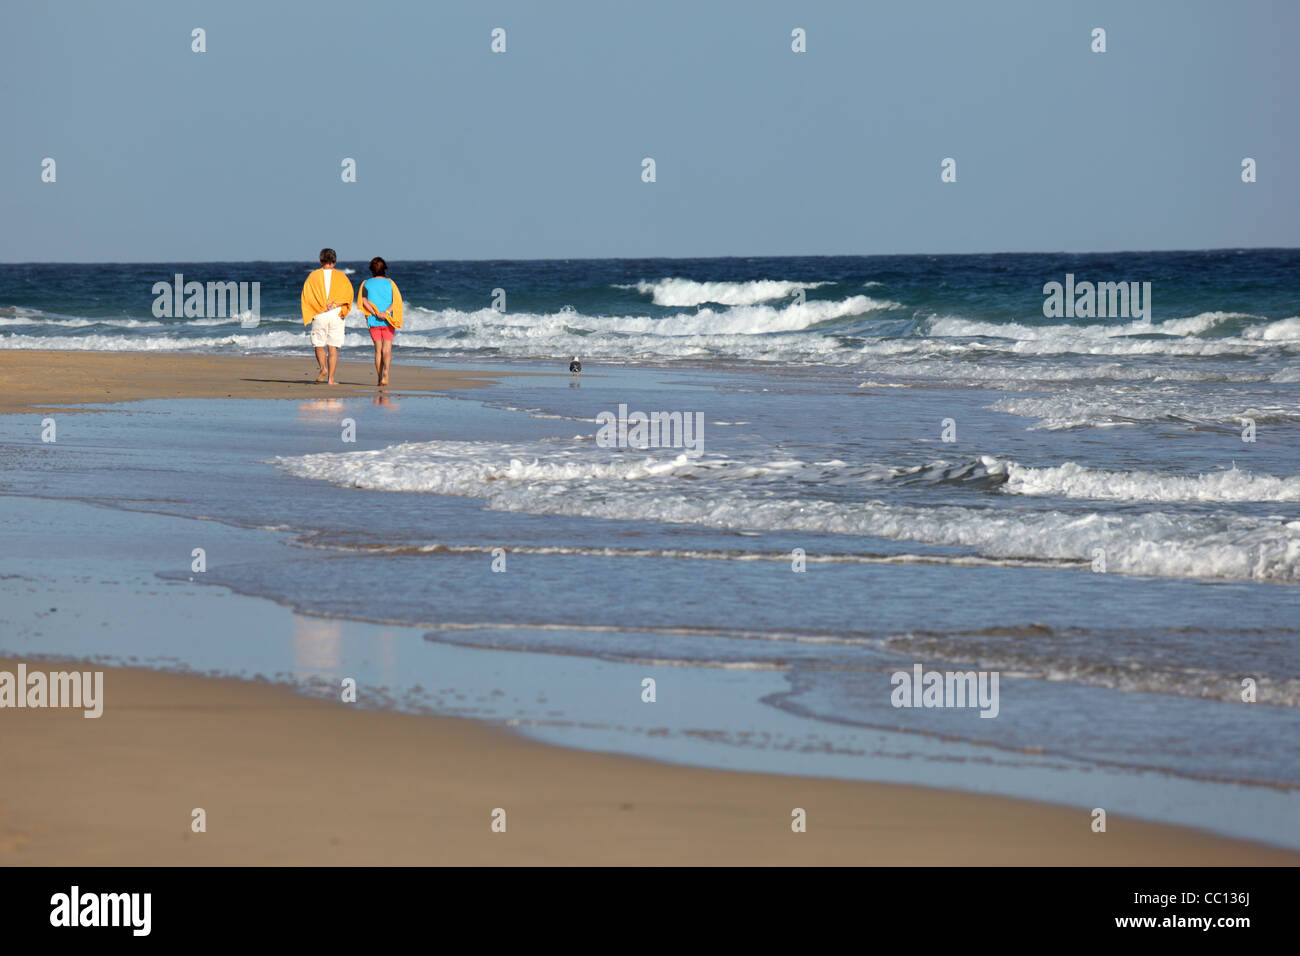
(575, 366)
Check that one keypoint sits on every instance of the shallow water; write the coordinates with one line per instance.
(917, 550)
(95, 599)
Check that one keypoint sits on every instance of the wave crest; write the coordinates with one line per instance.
(674, 292)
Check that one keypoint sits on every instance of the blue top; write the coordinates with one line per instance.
(379, 291)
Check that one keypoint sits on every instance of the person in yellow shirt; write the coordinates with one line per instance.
(326, 301)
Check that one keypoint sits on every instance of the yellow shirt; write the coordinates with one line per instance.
(314, 298)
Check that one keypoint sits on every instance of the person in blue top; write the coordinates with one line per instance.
(382, 303)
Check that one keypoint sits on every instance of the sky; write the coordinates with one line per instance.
(235, 153)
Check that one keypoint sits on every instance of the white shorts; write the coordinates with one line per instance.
(327, 329)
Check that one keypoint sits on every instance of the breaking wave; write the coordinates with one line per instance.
(587, 482)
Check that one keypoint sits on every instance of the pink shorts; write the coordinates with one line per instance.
(381, 333)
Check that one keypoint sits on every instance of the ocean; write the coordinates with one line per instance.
(901, 461)
(976, 318)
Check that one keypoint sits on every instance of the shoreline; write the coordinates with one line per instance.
(37, 380)
(300, 780)
(711, 722)
(285, 778)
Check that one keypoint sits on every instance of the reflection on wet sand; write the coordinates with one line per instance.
(320, 409)
(317, 648)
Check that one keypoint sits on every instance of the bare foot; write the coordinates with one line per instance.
(321, 377)
(331, 382)
(384, 381)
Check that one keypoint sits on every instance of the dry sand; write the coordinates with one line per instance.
(286, 779)
(35, 380)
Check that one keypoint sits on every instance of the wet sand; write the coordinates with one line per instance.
(36, 380)
(287, 779)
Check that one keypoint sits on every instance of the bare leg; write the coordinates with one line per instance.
(388, 360)
(320, 360)
(379, 361)
(334, 363)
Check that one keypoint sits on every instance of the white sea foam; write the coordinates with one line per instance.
(1283, 330)
(761, 327)
(492, 328)
(1172, 337)
(75, 323)
(1097, 330)
(583, 481)
(692, 554)
(1127, 405)
(1072, 480)
(252, 342)
(814, 333)
(675, 292)
(1017, 373)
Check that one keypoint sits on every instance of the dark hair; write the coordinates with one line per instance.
(378, 267)
(327, 257)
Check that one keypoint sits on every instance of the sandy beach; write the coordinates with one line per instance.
(286, 779)
(31, 380)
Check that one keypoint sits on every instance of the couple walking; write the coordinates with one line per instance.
(326, 301)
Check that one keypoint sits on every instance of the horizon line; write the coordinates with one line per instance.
(844, 255)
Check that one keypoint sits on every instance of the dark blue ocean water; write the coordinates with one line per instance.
(946, 315)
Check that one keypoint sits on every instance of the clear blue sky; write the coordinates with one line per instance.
(234, 154)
